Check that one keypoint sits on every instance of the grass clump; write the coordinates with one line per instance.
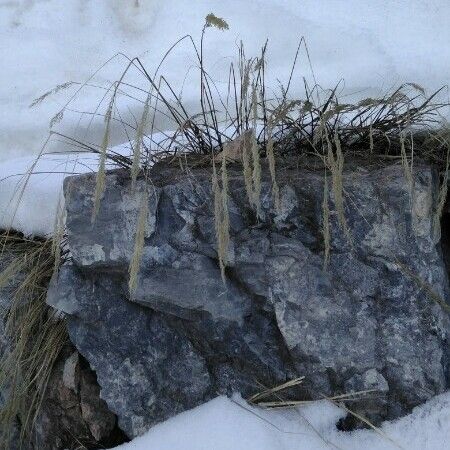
(139, 242)
(403, 125)
(35, 334)
(221, 216)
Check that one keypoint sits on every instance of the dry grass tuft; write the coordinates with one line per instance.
(35, 334)
(101, 173)
(318, 124)
(248, 141)
(407, 164)
(221, 216)
(256, 174)
(442, 198)
(135, 167)
(217, 22)
(272, 169)
(335, 164)
(260, 400)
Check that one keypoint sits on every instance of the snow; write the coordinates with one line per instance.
(31, 190)
(370, 45)
(231, 424)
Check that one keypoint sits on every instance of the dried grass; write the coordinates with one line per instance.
(248, 142)
(339, 400)
(221, 216)
(277, 126)
(407, 164)
(101, 173)
(272, 169)
(256, 173)
(35, 334)
(138, 242)
(135, 167)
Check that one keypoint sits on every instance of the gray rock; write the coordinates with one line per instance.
(115, 247)
(146, 369)
(374, 389)
(366, 322)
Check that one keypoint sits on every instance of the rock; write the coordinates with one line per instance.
(375, 389)
(367, 321)
(147, 370)
(72, 414)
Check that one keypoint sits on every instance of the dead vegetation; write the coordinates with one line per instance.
(404, 126)
(34, 333)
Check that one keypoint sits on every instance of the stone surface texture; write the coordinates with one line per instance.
(366, 321)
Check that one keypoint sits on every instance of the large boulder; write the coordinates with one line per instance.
(366, 321)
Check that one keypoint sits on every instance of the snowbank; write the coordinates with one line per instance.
(224, 424)
(31, 190)
(370, 45)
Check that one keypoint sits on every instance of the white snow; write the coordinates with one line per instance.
(371, 45)
(224, 424)
(31, 190)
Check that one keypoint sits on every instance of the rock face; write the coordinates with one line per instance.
(367, 321)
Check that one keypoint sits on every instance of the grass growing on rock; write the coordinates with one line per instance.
(403, 126)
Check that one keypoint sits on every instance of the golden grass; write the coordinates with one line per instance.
(246, 166)
(221, 216)
(256, 174)
(281, 403)
(407, 164)
(35, 334)
(138, 243)
(442, 197)
(101, 173)
(335, 165)
(138, 141)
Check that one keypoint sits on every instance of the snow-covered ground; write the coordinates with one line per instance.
(31, 190)
(370, 45)
(225, 424)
